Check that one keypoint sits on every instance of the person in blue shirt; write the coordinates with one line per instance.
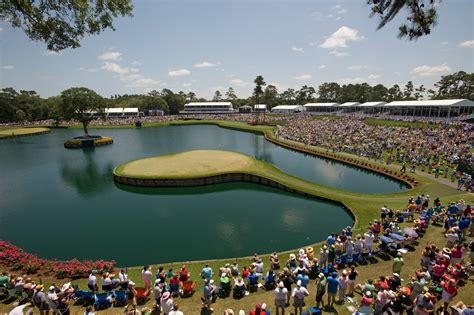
(303, 277)
(463, 226)
(206, 272)
(333, 286)
(331, 239)
(253, 279)
(452, 209)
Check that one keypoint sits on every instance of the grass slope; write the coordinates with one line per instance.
(15, 132)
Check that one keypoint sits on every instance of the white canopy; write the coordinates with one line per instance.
(373, 104)
(446, 103)
(209, 104)
(260, 106)
(287, 107)
(321, 104)
(350, 104)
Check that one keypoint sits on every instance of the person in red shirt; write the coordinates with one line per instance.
(183, 274)
(245, 272)
(366, 303)
(258, 310)
(382, 283)
(449, 290)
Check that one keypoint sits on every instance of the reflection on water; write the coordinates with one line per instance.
(88, 178)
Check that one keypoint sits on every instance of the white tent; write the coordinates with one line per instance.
(288, 109)
(321, 107)
(208, 107)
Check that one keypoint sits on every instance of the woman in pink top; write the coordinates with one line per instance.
(456, 254)
(438, 271)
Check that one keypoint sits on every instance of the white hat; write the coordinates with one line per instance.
(396, 275)
(224, 275)
(264, 306)
(211, 281)
(157, 281)
(280, 284)
(298, 283)
(321, 275)
(368, 293)
(131, 283)
(52, 288)
(344, 272)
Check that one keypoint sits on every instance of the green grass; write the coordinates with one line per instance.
(14, 132)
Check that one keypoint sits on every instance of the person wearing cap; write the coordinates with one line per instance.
(258, 310)
(344, 280)
(298, 295)
(21, 309)
(146, 276)
(323, 256)
(39, 299)
(52, 299)
(292, 263)
(366, 303)
(131, 296)
(394, 282)
(166, 303)
(333, 285)
(398, 262)
(320, 289)
(280, 298)
(208, 292)
(123, 279)
(303, 277)
(382, 299)
(259, 267)
(423, 304)
(287, 278)
(157, 292)
(92, 281)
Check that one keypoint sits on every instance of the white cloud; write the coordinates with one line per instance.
(303, 77)
(111, 55)
(205, 64)
(87, 69)
(136, 63)
(340, 38)
(187, 84)
(179, 73)
(238, 82)
(298, 49)
(322, 67)
(358, 67)
(339, 9)
(135, 70)
(467, 43)
(338, 53)
(374, 76)
(8, 67)
(425, 71)
(114, 67)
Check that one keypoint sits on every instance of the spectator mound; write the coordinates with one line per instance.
(190, 164)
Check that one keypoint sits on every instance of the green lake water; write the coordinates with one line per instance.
(60, 203)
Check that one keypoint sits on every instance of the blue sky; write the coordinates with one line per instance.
(205, 45)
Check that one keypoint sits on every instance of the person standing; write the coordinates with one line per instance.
(320, 290)
(298, 297)
(366, 303)
(398, 263)
(208, 291)
(351, 280)
(146, 276)
(166, 303)
(344, 280)
(333, 286)
(280, 298)
(449, 291)
(92, 282)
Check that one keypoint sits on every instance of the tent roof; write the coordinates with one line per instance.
(321, 104)
(453, 102)
(287, 107)
(130, 110)
(349, 104)
(113, 110)
(260, 106)
(209, 104)
(372, 104)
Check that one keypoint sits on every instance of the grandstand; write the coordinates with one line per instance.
(207, 108)
(321, 107)
(260, 108)
(288, 109)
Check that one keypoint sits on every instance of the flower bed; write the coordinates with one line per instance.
(17, 259)
(91, 141)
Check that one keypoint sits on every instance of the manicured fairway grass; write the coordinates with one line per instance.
(14, 132)
(189, 164)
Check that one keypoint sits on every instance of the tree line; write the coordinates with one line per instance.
(28, 105)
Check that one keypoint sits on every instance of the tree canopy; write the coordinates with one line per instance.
(62, 24)
(422, 15)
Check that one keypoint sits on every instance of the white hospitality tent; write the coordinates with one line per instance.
(372, 107)
(321, 107)
(431, 108)
(260, 107)
(131, 111)
(114, 112)
(208, 107)
(349, 107)
(288, 109)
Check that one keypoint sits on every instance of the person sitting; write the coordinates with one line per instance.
(123, 279)
(275, 263)
(184, 274)
(174, 284)
(106, 282)
(292, 263)
(67, 290)
(234, 269)
(245, 272)
(259, 267)
(270, 280)
(239, 288)
(252, 281)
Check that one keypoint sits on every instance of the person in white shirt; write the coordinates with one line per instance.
(298, 297)
(166, 303)
(123, 278)
(92, 282)
(369, 240)
(259, 267)
(280, 298)
(146, 276)
(20, 309)
(176, 310)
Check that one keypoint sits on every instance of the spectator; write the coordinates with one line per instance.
(333, 286)
(298, 297)
(280, 298)
(146, 276)
(398, 263)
